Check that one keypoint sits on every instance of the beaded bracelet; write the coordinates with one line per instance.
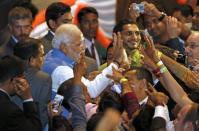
(163, 70)
(160, 63)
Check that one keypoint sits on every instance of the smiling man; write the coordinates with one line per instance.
(89, 24)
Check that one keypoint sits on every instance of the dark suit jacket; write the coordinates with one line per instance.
(12, 118)
(7, 47)
(91, 65)
(47, 42)
(100, 50)
(41, 87)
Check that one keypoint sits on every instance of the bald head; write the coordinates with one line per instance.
(192, 48)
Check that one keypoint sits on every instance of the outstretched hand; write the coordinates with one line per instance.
(172, 26)
(117, 48)
(158, 98)
(149, 49)
(79, 70)
(116, 75)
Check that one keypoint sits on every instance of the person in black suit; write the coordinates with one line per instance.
(32, 51)
(56, 14)
(19, 23)
(88, 24)
(12, 118)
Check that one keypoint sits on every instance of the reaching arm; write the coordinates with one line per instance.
(183, 73)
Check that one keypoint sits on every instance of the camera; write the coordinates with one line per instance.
(57, 102)
(182, 58)
(138, 7)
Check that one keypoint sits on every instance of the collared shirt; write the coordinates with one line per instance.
(15, 39)
(27, 100)
(144, 101)
(88, 44)
(4, 92)
(52, 32)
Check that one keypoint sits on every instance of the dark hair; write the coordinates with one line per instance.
(61, 122)
(185, 10)
(27, 48)
(142, 121)
(141, 73)
(19, 13)
(94, 121)
(119, 26)
(29, 5)
(10, 66)
(110, 99)
(192, 116)
(84, 11)
(56, 10)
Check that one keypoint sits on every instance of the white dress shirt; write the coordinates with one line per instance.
(94, 87)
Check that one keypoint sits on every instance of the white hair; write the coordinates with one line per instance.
(66, 34)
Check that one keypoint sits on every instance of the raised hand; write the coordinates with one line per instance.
(116, 76)
(22, 88)
(150, 50)
(117, 48)
(79, 70)
(173, 28)
(92, 75)
(147, 62)
(158, 98)
(151, 10)
(133, 13)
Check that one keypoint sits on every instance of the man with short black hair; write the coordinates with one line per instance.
(57, 14)
(32, 52)
(88, 24)
(13, 82)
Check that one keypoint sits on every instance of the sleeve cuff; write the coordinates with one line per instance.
(160, 112)
(28, 100)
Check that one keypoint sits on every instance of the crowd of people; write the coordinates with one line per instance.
(147, 79)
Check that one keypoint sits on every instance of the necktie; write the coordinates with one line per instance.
(93, 50)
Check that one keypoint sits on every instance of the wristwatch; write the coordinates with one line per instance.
(162, 16)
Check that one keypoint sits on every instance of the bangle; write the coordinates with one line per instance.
(160, 63)
(159, 54)
(157, 72)
(162, 16)
(123, 79)
(163, 70)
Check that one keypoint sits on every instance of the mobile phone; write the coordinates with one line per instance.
(57, 102)
(138, 7)
(142, 34)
